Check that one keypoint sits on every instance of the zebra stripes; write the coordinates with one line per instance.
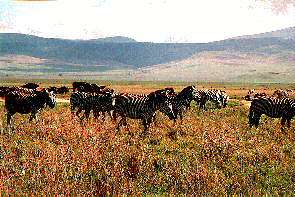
(181, 101)
(273, 107)
(91, 102)
(218, 97)
(27, 102)
(142, 107)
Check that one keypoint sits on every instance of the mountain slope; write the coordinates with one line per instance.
(224, 66)
(287, 33)
(262, 57)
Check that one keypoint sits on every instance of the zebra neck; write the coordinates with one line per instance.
(153, 104)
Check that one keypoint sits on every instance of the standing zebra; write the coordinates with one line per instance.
(142, 107)
(91, 102)
(181, 101)
(25, 103)
(218, 97)
(273, 107)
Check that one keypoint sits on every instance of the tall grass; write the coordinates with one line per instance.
(212, 153)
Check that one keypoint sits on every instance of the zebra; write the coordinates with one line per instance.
(280, 93)
(142, 107)
(91, 102)
(273, 107)
(28, 102)
(181, 101)
(219, 97)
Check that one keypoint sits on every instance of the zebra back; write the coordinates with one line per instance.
(273, 107)
(24, 102)
(143, 106)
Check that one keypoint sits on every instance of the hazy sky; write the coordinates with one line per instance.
(143, 20)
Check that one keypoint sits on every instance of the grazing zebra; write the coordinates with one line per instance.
(273, 107)
(181, 101)
(91, 102)
(142, 107)
(25, 103)
(218, 97)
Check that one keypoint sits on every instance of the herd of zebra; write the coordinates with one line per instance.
(100, 100)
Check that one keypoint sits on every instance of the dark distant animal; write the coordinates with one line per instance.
(273, 107)
(25, 103)
(252, 91)
(62, 90)
(280, 93)
(96, 88)
(144, 108)
(32, 86)
(4, 91)
(259, 95)
(248, 97)
(52, 89)
(81, 86)
(253, 95)
(87, 87)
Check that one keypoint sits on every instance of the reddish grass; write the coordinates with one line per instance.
(212, 153)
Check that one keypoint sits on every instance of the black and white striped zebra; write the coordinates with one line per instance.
(91, 102)
(28, 102)
(142, 107)
(218, 97)
(182, 101)
(273, 107)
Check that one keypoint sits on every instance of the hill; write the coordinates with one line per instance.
(287, 33)
(261, 58)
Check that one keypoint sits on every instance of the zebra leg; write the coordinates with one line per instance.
(86, 114)
(122, 121)
(251, 118)
(257, 119)
(33, 116)
(78, 112)
(111, 114)
(203, 105)
(180, 116)
(288, 122)
(146, 124)
(114, 115)
(103, 116)
(254, 118)
(9, 116)
(73, 109)
(283, 122)
(96, 114)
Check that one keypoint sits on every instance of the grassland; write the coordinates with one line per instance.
(212, 153)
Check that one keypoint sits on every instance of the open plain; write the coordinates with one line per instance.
(213, 153)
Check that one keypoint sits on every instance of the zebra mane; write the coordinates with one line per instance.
(185, 91)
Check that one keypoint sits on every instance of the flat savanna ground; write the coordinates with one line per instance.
(213, 152)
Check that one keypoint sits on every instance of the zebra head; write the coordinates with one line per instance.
(225, 101)
(163, 100)
(50, 99)
(224, 98)
(218, 99)
(194, 93)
